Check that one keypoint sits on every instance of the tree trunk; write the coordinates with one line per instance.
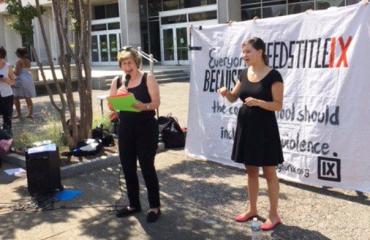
(80, 55)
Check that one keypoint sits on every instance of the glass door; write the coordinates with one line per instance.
(168, 53)
(182, 45)
(104, 47)
(94, 49)
(174, 44)
(113, 47)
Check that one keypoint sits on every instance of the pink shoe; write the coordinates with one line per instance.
(270, 226)
(244, 218)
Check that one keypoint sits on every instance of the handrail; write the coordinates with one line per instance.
(148, 57)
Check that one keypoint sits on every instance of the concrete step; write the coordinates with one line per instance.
(161, 77)
(171, 75)
(164, 72)
(174, 79)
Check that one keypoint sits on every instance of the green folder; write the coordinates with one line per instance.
(123, 103)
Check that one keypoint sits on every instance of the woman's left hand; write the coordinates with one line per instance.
(252, 102)
(140, 106)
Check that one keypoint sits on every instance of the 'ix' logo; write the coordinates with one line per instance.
(329, 169)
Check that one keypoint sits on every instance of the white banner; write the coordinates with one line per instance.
(324, 125)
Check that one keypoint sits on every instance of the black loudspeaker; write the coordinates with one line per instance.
(43, 172)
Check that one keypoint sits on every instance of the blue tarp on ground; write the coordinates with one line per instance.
(67, 194)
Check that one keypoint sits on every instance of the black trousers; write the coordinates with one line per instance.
(6, 109)
(139, 140)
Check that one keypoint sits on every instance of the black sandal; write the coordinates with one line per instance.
(127, 211)
(153, 216)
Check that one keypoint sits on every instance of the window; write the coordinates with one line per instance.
(350, 2)
(251, 9)
(99, 12)
(249, 2)
(173, 19)
(154, 7)
(113, 25)
(154, 39)
(273, 8)
(196, 3)
(98, 27)
(202, 16)
(300, 7)
(250, 13)
(111, 10)
(170, 4)
(274, 11)
(324, 4)
(106, 11)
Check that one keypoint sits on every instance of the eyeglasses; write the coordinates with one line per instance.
(126, 48)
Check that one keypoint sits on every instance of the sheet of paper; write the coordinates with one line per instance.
(123, 103)
(42, 148)
(14, 171)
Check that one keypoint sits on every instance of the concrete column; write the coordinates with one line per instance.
(2, 7)
(12, 41)
(228, 10)
(38, 39)
(130, 22)
(54, 42)
(2, 30)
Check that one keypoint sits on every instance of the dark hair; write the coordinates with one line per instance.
(258, 44)
(2, 52)
(21, 52)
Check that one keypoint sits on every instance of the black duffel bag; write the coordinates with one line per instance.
(104, 135)
(170, 131)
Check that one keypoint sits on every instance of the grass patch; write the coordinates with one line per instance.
(48, 130)
(105, 120)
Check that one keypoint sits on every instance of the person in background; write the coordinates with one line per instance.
(6, 92)
(138, 133)
(24, 87)
(257, 140)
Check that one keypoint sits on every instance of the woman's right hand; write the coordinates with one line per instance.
(122, 91)
(223, 91)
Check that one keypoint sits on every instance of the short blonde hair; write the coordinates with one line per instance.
(128, 52)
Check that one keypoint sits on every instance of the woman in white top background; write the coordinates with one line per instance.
(6, 92)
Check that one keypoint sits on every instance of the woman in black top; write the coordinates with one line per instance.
(138, 133)
(257, 141)
(6, 93)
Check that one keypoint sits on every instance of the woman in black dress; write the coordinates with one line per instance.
(257, 141)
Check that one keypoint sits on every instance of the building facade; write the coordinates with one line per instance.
(159, 27)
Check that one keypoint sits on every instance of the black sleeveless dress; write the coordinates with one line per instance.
(257, 139)
(139, 130)
(141, 93)
(138, 140)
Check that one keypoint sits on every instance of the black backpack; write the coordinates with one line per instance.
(99, 133)
(172, 134)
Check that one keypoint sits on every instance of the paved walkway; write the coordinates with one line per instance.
(199, 199)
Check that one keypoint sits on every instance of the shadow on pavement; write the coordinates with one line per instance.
(192, 208)
(285, 232)
(360, 197)
(198, 202)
